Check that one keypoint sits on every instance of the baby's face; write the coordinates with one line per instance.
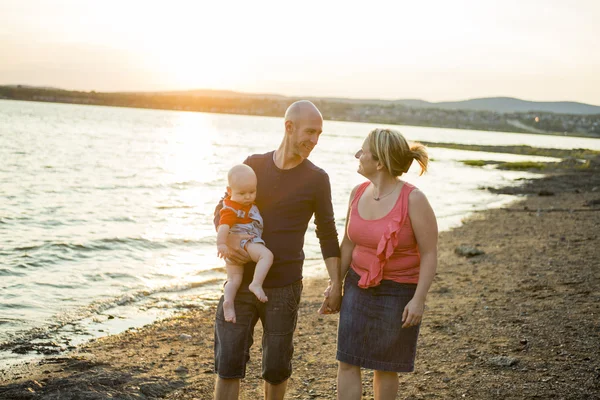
(243, 192)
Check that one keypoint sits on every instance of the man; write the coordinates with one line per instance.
(290, 190)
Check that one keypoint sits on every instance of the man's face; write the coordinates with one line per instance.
(305, 135)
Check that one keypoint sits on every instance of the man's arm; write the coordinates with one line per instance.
(333, 293)
(324, 219)
(345, 259)
(217, 213)
(328, 239)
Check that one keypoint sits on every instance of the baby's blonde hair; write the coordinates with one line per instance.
(240, 172)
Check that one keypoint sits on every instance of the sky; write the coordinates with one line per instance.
(434, 50)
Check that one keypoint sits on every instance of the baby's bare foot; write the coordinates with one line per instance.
(257, 289)
(229, 311)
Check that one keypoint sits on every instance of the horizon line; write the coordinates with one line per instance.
(296, 96)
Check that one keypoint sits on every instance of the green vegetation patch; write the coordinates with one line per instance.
(569, 164)
(474, 163)
(522, 165)
(585, 165)
(520, 149)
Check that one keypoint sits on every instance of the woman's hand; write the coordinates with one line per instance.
(413, 313)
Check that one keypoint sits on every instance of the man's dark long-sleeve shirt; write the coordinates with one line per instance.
(287, 200)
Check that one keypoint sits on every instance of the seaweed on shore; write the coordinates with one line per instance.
(583, 154)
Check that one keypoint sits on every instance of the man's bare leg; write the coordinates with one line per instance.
(275, 392)
(227, 389)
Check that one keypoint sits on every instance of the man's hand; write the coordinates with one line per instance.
(235, 253)
(333, 299)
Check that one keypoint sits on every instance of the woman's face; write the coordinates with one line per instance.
(366, 163)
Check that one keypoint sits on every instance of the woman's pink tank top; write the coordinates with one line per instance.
(385, 248)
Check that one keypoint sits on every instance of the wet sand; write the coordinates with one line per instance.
(519, 321)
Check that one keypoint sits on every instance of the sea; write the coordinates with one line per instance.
(106, 213)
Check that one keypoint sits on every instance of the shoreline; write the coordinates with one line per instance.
(509, 127)
(64, 331)
(519, 321)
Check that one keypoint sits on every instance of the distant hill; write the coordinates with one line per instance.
(507, 105)
(31, 87)
(493, 104)
(211, 93)
(492, 114)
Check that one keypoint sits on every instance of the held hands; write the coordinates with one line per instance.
(413, 313)
(333, 299)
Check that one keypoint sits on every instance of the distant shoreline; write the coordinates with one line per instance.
(333, 109)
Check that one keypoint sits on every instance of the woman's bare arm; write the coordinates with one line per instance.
(425, 228)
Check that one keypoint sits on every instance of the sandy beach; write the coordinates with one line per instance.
(519, 320)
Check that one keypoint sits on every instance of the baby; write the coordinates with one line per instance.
(240, 215)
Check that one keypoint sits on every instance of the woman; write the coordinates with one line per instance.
(389, 257)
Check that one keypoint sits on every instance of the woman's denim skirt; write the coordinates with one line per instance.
(370, 333)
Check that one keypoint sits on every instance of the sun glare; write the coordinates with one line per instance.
(435, 50)
(188, 174)
(190, 148)
(198, 45)
(192, 65)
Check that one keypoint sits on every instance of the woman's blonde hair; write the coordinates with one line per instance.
(394, 152)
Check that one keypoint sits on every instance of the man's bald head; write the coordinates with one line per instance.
(303, 125)
(302, 110)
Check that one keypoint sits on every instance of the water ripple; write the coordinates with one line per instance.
(9, 272)
(56, 285)
(107, 244)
